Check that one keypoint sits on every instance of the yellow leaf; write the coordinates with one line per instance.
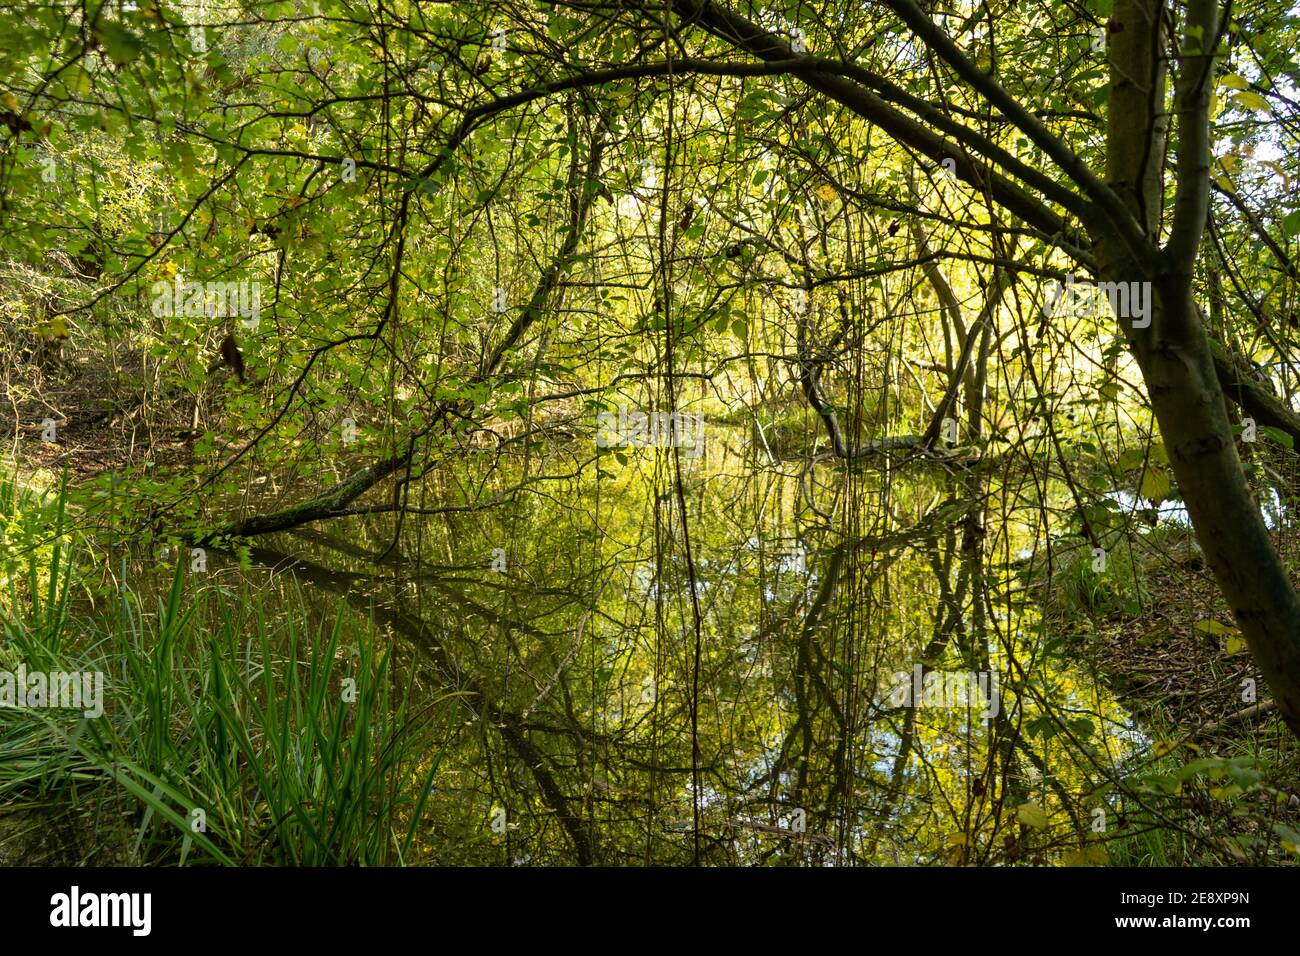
(1032, 815)
(1163, 748)
(826, 191)
(1278, 171)
(1155, 486)
(1249, 99)
(1236, 644)
(1234, 82)
(1093, 855)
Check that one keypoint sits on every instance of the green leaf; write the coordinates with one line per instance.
(1083, 728)
(1211, 626)
(120, 44)
(1277, 435)
(1131, 458)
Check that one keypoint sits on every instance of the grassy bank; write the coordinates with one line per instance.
(226, 738)
(1215, 782)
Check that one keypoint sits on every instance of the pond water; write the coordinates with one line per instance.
(846, 666)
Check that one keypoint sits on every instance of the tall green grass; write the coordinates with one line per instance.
(227, 738)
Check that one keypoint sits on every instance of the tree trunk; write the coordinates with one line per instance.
(1174, 352)
(1188, 404)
